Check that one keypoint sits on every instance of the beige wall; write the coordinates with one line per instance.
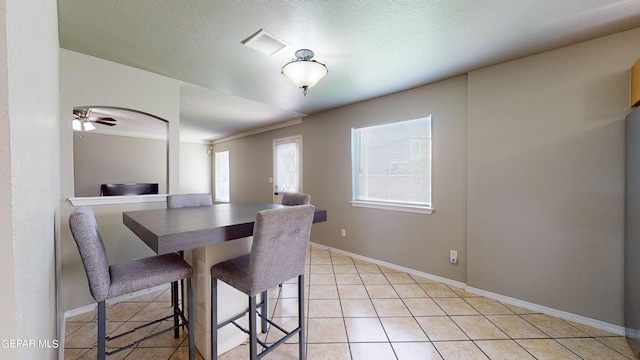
(89, 81)
(417, 241)
(110, 159)
(195, 168)
(527, 178)
(546, 176)
(29, 174)
(251, 164)
(421, 242)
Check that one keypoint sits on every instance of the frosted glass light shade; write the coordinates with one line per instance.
(304, 73)
(78, 125)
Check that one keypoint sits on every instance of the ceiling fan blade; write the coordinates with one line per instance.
(103, 119)
(101, 122)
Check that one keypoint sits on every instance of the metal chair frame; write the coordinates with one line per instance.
(252, 310)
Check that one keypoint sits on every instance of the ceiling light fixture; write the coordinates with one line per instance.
(83, 121)
(304, 72)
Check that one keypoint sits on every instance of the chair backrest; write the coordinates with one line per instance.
(279, 249)
(189, 200)
(94, 257)
(289, 198)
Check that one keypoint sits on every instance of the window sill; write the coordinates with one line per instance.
(383, 206)
(114, 200)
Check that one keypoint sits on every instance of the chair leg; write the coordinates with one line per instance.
(182, 296)
(102, 330)
(301, 342)
(176, 309)
(265, 312)
(214, 318)
(191, 323)
(253, 333)
(181, 253)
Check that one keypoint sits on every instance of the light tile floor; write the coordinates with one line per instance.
(358, 310)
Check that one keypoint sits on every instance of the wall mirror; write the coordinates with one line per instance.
(118, 152)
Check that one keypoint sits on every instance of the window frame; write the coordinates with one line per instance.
(389, 205)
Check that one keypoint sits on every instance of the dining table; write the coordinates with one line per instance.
(206, 235)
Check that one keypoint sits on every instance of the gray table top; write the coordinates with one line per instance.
(170, 230)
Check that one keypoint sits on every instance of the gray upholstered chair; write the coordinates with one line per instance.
(278, 254)
(181, 201)
(290, 198)
(189, 200)
(106, 282)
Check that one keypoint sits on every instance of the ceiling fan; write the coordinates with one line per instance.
(83, 121)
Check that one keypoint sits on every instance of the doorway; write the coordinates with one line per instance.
(287, 166)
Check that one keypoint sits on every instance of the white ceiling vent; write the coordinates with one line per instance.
(265, 42)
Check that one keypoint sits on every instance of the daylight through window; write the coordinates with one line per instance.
(222, 176)
(392, 165)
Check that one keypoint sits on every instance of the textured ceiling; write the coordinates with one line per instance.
(372, 48)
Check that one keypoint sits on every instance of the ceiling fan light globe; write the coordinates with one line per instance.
(88, 126)
(76, 125)
(304, 73)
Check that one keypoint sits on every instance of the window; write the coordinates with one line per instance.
(391, 165)
(222, 176)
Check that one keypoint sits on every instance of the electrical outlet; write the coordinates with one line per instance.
(453, 257)
(343, 232)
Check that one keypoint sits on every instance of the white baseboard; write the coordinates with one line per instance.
(61, 338)
(615, 329)
(393, 266)
(633, 333)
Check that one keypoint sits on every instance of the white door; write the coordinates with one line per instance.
(287, 166)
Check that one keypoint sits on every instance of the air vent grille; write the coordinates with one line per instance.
(265, 43)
